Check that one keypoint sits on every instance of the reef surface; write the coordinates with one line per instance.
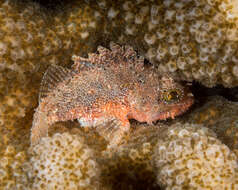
(191, 39)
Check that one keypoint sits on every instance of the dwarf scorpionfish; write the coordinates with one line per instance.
(111, 85)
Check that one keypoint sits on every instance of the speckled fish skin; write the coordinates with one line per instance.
(112, 85)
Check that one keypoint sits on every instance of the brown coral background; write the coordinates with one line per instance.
(195, 40)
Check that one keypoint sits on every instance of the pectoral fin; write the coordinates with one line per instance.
(114, 131)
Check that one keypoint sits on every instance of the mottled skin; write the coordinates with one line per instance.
(111, 86)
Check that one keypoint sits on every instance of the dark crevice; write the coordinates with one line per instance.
(53, 4)
(201, 92)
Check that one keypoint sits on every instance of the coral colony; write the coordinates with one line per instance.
(192, 40)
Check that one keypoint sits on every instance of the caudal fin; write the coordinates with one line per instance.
(39, 126)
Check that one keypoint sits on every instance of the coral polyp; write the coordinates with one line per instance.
(194, 40)
(163, 31)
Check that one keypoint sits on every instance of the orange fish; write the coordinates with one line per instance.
(108, 86)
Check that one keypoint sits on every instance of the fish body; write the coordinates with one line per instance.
(111, 85)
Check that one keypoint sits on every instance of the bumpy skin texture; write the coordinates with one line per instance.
(113, 85)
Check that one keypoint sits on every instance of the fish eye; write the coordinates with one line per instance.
(171, 96)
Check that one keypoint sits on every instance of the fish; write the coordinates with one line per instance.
(109, 86)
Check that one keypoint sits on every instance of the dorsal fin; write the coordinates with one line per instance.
(53, 76)
(81, 63)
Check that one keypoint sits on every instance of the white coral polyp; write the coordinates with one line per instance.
(63, 162)
(194, 158)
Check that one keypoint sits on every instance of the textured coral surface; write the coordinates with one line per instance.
(180, 156)
(193, 39)
(64, 162)
(191, 157)
(13, 169)
(24, 54)
(220, 115)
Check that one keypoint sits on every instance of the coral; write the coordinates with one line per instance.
(220, 115)
(191, 157)
(205, 51)
(13, 169)
(176, 156)
(131, 162)
(64, 162)
(20, 52)
(180, 156)
(25, 38)
(31, 40)
(28, 44)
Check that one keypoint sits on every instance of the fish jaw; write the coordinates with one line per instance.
(174, 110)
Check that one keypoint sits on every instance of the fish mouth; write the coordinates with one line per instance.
(175, 110)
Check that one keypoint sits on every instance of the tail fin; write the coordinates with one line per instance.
(39, 127)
